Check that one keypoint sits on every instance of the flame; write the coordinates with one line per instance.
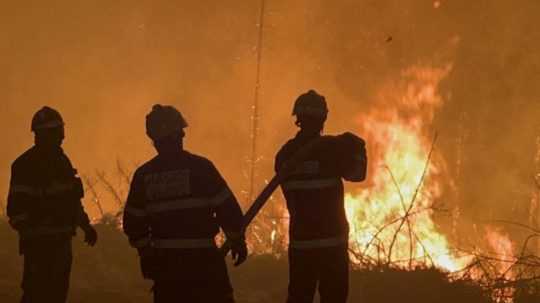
(392, 215)
(503, 248)
(405, 177)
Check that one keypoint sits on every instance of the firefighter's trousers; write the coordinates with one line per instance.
(324, 268)
(47, 268)
(193, 276)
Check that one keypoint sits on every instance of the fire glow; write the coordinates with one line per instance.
(405, 177)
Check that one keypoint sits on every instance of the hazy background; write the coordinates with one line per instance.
(104, 63)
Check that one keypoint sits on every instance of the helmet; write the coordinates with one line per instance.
(310, 104)
(163, 121)
(46, 118)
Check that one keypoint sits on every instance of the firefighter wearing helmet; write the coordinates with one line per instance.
(177, 203)
(318, 248)
(44, 207)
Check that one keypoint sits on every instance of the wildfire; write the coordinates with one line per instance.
(391, 221)
(391, 216)
(503, 247)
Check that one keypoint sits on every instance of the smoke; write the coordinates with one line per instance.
(104, 64)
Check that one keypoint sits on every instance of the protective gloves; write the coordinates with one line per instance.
(239, 249)
(90, 235)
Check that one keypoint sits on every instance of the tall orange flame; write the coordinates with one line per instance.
(405, 177)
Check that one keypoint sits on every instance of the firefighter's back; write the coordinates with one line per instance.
(315, 200)
(44, 207)
(177, 204)
(47, 181)
(314, 193)
(179, 192)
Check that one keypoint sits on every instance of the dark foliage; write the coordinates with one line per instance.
(110, 273)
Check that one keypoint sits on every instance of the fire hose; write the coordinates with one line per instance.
(285, 171)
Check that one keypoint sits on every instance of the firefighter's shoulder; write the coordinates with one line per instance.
(146, 167)
(67, 162)
(193, 161)
(199, 162)
(25, 160)
(287, 148)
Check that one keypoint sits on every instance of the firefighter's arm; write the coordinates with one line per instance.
(78, 194)
(137, 227)
(353, 157)
(229, 215)
(82, 218)
(285, 162)
(135, 219)
(278, 161)
(90, 234)
(20, 195)
(228, 211)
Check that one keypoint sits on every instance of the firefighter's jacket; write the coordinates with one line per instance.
(314, 192)
(179, 202)
(45, 195)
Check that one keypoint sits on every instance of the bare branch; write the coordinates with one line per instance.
(124, 174)
(415, 195)
(90, 186)
(402, 200)
(110, 188)
(534, 230)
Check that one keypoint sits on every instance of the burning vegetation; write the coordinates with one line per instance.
(447, 211)
(394, 233)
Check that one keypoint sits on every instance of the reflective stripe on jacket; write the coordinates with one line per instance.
(179, 202)
(45, 194)
(315, 192)
(318, 243)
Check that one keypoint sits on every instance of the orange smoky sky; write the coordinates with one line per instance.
(104, 63)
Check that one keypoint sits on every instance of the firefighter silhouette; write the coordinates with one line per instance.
(44, 207)
(318, 249)
(176, 205)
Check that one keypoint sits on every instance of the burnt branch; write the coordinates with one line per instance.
(90, 187)
(124, 174)
(102, 177)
